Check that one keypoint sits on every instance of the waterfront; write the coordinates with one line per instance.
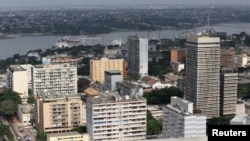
(22, 44)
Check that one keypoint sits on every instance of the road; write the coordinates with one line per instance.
(5, 122)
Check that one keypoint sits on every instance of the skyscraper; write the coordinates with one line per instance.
(203, 74)
(138, 55)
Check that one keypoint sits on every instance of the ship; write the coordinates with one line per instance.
(66, 42)
(117, 42)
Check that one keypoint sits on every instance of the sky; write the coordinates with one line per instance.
(38, 3)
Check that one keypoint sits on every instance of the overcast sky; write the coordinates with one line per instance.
(36, 3)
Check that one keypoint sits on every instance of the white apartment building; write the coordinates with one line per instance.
(138, 55)
(17, 80)
(28, 67)
(60, 78)
(112, 117)
(180, 121)
(203, 74)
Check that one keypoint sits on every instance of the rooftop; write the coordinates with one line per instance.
(55, 95)
(127, 84)
(26, 108)
(16, 68)
(113, 72)
(113, 97)
(240, 119)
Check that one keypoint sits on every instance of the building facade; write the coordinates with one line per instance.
(138, 55)
(17, 80)
(203, 74)
(228, 92)
(227, 58)
(98, 67)
(60, 78)
(112, 117)
(58, 112)
(26, 115)
(69, 136)
(174, 55)
(180, 121)
(111, 77)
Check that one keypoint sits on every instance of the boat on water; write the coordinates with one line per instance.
(117, 42)
(7, 36)
(66, 42)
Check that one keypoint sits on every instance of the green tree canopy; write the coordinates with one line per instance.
(8, 102)
(162, 96)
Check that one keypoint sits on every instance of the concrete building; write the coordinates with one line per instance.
(68, 136)
(242, 60)
(26, 115)
(244, 118)
(61, 59)
(180, 121)
(177, 66)
(127, 88)
(28, 68)
(203, 74)
(59, 78)
(228, 92)
(111, 77)
(138, 55)
(98, 67)
(155, 111)
(57, 112)
(112, 117)
(179, 139)
(17, 80)
(174, 55)
(227, 58)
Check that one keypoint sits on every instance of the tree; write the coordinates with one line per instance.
(154, 126)
(162, 96)
(41, 136)
(8, 107)
(5, 130)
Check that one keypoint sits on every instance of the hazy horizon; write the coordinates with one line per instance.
(42, 3)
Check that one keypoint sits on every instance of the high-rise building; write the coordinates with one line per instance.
(112, 117)
(138, 55)
(17, 80)
(60, 78)
(57, 112)
(228, 91)
(203, 74)
(227, 58)
(98, 67)
(179, 120)
(111, 77)
(174, 55)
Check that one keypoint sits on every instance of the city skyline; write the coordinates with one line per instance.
(32, 3)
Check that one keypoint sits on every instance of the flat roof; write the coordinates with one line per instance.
(179, 139)
(16, 68)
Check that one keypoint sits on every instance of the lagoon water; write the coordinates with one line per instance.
(22, 44)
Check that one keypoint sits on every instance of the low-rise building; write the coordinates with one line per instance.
(26, 114)
(244, 118)
(127, 88)
(155, 111)
(177, 66)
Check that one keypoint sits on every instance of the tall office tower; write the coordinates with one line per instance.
(112, 117)
(17, 80)
(228, 94)
(174, 55)
(227, 58)
(98, 67)
(203, 74)
(111, 77)
(60, 78)
(56, 112)
(179, 120)
(138, 55)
